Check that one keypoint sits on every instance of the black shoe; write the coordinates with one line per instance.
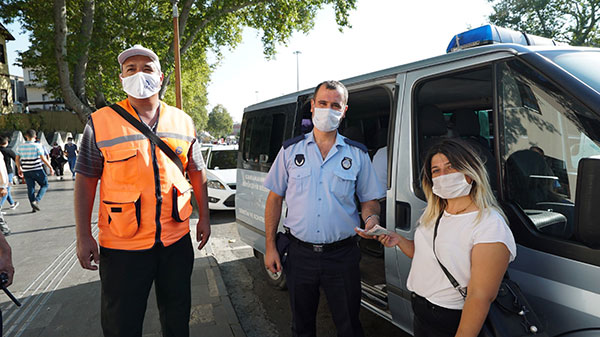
(35, 206)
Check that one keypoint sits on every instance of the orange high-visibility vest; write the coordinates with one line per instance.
(144, 197)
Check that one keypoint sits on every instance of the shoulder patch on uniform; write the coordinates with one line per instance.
(356, 144)
(293, 141)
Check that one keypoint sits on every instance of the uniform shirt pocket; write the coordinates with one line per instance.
(298, 180)
(343, 184)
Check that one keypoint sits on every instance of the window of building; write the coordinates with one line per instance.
(2, 54)
(4, 97)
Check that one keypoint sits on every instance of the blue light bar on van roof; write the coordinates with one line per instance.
(490, 34)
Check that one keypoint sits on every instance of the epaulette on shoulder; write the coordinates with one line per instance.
(356, 144)
(293, 141)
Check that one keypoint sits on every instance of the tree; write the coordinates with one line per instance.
(220, 123)
(74, 50)
(194, 79)
(572, 21)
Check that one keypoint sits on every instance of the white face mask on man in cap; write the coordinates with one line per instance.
(141, 85)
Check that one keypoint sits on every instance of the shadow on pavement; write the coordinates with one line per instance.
(75, 311)
(41, 230)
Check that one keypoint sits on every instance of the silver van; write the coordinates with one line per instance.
(532, 110)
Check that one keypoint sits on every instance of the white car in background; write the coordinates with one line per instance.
(221, 164)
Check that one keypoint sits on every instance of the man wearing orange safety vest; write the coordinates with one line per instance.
(145, 202)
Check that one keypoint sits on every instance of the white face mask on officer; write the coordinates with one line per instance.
(450, 186)
(141, 85)
(326, 119)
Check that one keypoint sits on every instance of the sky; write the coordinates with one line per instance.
(384, 33)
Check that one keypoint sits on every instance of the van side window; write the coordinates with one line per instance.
(456, 105)
(544, 139)
(263, 136)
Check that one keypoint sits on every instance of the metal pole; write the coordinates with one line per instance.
(177, 57)
(297, 52)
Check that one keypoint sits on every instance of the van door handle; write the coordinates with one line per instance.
(402, 215)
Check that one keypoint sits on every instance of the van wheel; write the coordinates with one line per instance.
(276, 280)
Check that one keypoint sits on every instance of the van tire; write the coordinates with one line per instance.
(276, 281)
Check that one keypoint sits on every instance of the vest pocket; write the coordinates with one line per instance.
(124, 213)
(122, 165)
(182, 196)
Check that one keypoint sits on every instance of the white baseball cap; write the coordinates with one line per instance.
(138, 50)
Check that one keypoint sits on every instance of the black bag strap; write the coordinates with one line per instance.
(143, 128)
(455, 284)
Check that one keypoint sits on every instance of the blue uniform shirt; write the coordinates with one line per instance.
(320, 193)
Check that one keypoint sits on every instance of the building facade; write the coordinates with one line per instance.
(37, 96)
(6, 95)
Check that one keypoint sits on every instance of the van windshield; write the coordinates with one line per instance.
(579, 65)
(223, 160)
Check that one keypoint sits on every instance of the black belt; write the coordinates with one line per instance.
(325, 247)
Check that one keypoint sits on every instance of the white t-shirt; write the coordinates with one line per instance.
(457, 234)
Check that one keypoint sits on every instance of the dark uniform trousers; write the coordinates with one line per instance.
(126, 278)
(337, 273)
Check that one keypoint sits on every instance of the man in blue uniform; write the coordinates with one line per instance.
(319, 175)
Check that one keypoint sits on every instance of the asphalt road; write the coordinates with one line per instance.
(262, 310)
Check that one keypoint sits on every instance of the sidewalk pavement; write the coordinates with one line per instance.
(62, 299)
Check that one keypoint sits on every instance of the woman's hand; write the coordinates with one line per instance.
(389, 240)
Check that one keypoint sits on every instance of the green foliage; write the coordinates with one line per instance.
(194, 78)
(208, 25)
(220, 123)
(575, 22)
(47, 121)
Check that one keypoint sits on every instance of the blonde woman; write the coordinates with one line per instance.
(473, 243)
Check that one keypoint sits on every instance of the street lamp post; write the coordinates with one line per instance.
(297, 52)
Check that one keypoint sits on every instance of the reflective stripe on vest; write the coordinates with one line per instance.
(144, 198)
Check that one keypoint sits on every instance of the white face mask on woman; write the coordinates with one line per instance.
(327, 119)
(450, 186)
(141, 85)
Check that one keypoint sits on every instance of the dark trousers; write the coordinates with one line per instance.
(32, 177)
(58, 165)
(126, 278)
(431, 320)
(337, 273)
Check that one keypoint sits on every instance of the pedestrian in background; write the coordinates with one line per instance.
(145, 202)
(319, 175)
(6, 265)
(9, 157)
(30, 160)
(71, 151)
(57, 159)
(4, 184)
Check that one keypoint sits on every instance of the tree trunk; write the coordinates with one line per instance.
(85, 35)
(100, 100)
(60, 51)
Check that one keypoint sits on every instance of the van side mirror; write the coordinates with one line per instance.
(587, 199)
